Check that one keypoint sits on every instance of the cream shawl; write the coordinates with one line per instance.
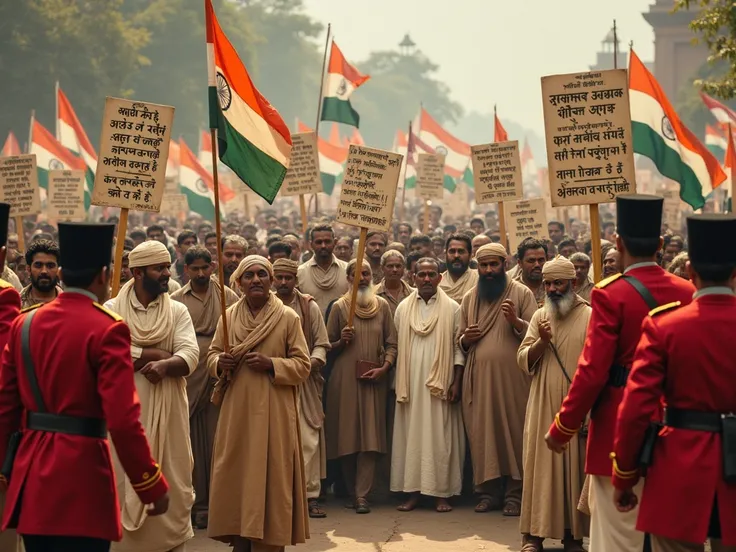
(147, 328)
(457, 289)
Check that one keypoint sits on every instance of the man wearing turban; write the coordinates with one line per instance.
(164, 351)
(549, 354)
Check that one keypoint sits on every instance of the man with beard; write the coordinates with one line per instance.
(233, 251)
(421, 243)
(375, 247)
(611, 263)
(549, 354)
(555, 231)
(323, 276)
(311, 413)
(201, 297)
(184, 241)
(531, 255)
(344, 248)
(403, 234)
(42, 258)
(279, 250)
(583, 284)
(164, 351)
(357, 388)
(459, 278)
(393, 288)
(428, 438)
(494, 318)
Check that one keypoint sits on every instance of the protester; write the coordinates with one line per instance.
(459, 278)
(323, 277)
(583, 284)
(393, 288)
(42, 258)
(344, 249)
(531, 255)
(375, 247)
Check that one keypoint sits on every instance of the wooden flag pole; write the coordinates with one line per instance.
(402, 207)
(356, 275)
(319, 103)
(218, 231)
(303, 209)
(502, 226)
(117, 267)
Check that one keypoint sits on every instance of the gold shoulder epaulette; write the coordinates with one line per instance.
(32, 307)
(603, 283)
(115, 316)
(665, 308)
(4, 284)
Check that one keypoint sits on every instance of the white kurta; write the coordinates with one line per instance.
(429, 440)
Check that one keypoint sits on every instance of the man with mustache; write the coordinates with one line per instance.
(549, 354)
(201, 297)
(611, 263)
(323, 276)
(531, 255)
(42, 258)
(494, 318)
(583, 283)
(375, 247)
(358, 384)
(311, 413)
(459, 278)
(393, 288)
(233, 251)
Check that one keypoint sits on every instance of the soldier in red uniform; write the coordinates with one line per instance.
(685, 356)
(619, 303)
(72, 385)
(9, 297)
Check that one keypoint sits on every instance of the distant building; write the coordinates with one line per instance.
(605, 57)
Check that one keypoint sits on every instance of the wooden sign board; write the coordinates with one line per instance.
(588, 130)
(134, 148)
(302, 176)
(369, 188)
(672, 210)
(526, 218)
(430, 176)
(65, 200)
(19, 185)
(497, 172)
(174, 205)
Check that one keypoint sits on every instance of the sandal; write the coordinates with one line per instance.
(314, 510)
(512, 509)
(531, 543)
(361, 506)
(486, 504)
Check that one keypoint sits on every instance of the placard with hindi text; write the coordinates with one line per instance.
(174, 205)
(134, 147)
(588, 132)
(672, 209)
(526, 218)
(302, 176)
(65, 198)
(19, 185)
(430, 176)
(497, 172)
(369, 188)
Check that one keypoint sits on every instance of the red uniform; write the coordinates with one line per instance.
(9, 310)
(62, 484)
(685, 355)
(613, 332)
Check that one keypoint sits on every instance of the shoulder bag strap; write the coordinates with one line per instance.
(25, 346)
(559, 361)
(642, 290)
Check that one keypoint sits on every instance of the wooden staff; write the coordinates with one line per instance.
(218, 231)
(357, 275)
(303, 209)
(502, 225)
(117, 267)
(595, 242)
(319, 103)
(402, 207)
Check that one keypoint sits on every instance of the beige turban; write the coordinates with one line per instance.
(558, 268)
(285, 265)
(149, 253)
(491, 250)
(245, 264)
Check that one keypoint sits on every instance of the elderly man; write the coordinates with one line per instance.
(42, 258)
(257, 498)
(233, 251)
(344, 248)
(311, 413)
(428, 440)
(459, 278)
(549, 353)
(323, 277)
(493, 321)
(201, 296)
(164, 351)
(583, 284)
(357, 388)
(393, 288)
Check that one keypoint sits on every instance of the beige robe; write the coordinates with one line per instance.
(495, 392)
(257, 489)
(356, 411)
(585, 290)
(457, 289)
(311, 280)
(539, 295)
(393, 302)
(202, 413)
(552, 482)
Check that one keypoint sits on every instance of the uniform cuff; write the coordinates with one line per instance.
(559, 432)
(623, 479)
(151, 487)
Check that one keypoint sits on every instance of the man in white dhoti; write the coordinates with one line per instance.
(164, 350)
(429, 440)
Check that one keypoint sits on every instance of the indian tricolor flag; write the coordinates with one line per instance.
(437, 139)
(342, 79)
(252, 138)
(205, 149)
(659, 134)
(173, 162)
(72, 136)
(332, 157)
(197, 184)
(722, 113)
(50, 154)
(715, 141)
(11, 146)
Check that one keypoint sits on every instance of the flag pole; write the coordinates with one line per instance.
(319, 103)
(501, 210)
(56, 103)
(218, 231)
(402, 210)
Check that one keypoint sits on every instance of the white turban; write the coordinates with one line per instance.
(245, 264)
(491, 250)
(558, 268)
(149, 253)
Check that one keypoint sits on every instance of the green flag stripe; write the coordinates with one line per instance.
(339, 111)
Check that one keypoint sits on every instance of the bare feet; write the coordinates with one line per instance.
(442, 506)
(410, 504)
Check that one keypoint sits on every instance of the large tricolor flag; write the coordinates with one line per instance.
(659, 134)
(11, 146)
(437, 139)
(50, 154)
(332, 157)
(342, 79)
(253, 139)
(197, 184)
(715, 141)
(722, 113)
(72, 136)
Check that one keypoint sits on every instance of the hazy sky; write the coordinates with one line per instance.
(490, 51)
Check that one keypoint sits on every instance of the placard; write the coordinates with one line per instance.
(588, 131)
(369, 188)
(302, 176)
(526, 218)
(65, 199)
(174, 205)
(672, 210)
(134, 148)
(497, 172)
(19, 185)
(430, 176)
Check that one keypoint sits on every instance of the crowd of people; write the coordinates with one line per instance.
(466, 369)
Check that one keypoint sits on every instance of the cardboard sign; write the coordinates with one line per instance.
(431, 176)
(134, 148)
(65, 201)
(672, 210)
(526, 218)
(174, 205)
(369, 188)
(302, 176)
(19, 185)
(497, 172)
(588, 130)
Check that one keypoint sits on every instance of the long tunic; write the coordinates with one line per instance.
(356, 410)
(552, 482)
(311, 280)
(428, 439)
(585, 290)
(393, 302)
(495, 392)
(257, 489)
(456, 289)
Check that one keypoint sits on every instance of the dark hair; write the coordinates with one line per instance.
(450, 228)
(460, 237)
(420, 238)
(42, 246)
(197, 252)
(373, 233)
(272, 239)
(291, 234)
(138, 234)
(641, 247)
(558, 223)
(566, 242)
(185, 235)
(430, 260)
(413, 257)
(713, 272)
(279, 247)
(80, 278)
(322, 228)
(529, 244)
(154, 228)
(204, 225)
(128, 245)
(607, 224)
(409, 226)
(209, 235)
(479, 220)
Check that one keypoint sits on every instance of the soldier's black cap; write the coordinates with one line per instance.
(639, 215)
(4, 217)
(706, 235)
(85, 246)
